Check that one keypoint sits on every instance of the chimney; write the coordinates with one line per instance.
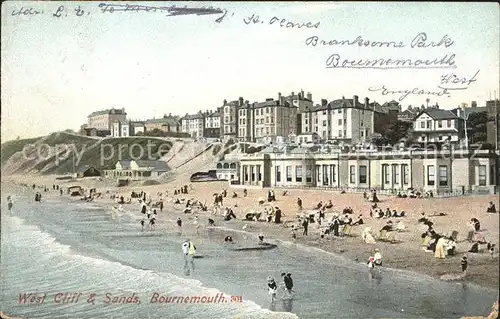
(422, 107)
(437, 105)
(279, 96)
(324, 102)
(473, 104)
(410, 107)
(224, 102)
(355, 100)
(241, 101)
(367, 102)
(309, 96)
(293, 93)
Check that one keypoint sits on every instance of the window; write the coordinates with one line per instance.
(395, 174)
(440, 124)
(259, 173)
(288, 173)
(339, 111)
(324, 112)
(324, 123)
(340, 121)
(448, 123)
(431, 175)
(362, 174)
(429, 123)
(405, 170)
(492, 175)
(245, 172)
(318, 175)
(298, 173)
(340, 133)
(482, 175)
(386, 173)
(334, 175)
(422, 124)
(352, 174)
(443, 175)
(308, 173)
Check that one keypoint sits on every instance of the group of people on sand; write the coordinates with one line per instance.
(149, 216)
(287, 286)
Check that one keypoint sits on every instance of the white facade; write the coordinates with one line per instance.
(137, 129)
(339, 123)
(193, 125)
(431, 128)
(120, 129)
(212, 120)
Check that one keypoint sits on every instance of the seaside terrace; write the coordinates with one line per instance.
(444, 172)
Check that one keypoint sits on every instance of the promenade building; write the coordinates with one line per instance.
(212, 124)
(103, 120)
(168, 123)
(436, 125)
(193, 124)
(347, 120)
(445, 171)
(127, 128)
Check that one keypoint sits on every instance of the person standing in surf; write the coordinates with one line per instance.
(272, 287)
(288, 281)
(10, 204)
(188, 248)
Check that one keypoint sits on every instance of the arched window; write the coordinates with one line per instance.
(233, 165)
(219, 165)
(226, 165)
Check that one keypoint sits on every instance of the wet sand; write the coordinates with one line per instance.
(407, 254)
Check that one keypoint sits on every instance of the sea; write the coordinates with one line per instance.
(67, 247)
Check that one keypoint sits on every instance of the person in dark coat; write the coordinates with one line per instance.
(305, 224)
(277, 216)
(336, 227)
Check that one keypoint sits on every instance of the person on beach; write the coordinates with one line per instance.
(143, 208)
(9, 200)
(299, 203)
(179, 222)
(261, 239)
(152, 222)
(464, 264)
(288, 282)
(305, 224)
(272, 287)
(228, 239)
(143, 222)
(371, 262)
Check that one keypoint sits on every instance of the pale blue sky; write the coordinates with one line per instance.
(57, 71)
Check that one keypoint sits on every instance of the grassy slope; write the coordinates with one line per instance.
(11, 147)
(103, 153)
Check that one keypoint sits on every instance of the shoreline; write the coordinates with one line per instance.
(403, 257)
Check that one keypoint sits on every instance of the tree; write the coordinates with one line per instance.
(397, 131)
(476, 127)
(378, 140)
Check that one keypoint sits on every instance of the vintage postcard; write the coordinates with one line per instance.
(249, 160)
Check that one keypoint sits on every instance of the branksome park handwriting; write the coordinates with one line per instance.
(419, 41)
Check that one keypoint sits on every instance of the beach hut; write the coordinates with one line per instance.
(75, 191)
(88, 171)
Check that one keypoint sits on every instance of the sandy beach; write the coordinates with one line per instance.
(406, 254)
